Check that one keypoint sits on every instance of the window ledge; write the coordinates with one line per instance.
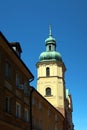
(48, 95)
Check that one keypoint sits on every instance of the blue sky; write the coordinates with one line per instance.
(27, 21)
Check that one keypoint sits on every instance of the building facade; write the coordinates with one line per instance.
(22, 107)
(44, 115)
(14, 87)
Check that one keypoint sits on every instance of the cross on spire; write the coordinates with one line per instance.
(50, 30)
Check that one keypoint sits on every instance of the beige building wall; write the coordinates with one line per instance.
(55, 81)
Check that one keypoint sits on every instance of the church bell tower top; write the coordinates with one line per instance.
(50, 54)
(50, 39)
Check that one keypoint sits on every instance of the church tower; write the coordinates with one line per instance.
(50, 75)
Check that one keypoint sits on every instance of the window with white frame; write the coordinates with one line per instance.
(40, 105)
(56, 128)
(18, 110)
(25, 88)
(49, 127)
(0, 58)
(7, 104)
(0, 62)
(49, 112)
(33, 121)
(7, 70)
(56, 117)
(40, 124)
(26, 115)
(33, 100)
(18, 79)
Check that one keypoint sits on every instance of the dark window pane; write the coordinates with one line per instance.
(48, 91)
(7, 104)
(47, 71)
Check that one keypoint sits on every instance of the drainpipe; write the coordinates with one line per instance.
(30, 101)
(31, 91)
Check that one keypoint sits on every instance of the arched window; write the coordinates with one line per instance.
(50, 48)
(48, 91)
(47, 71)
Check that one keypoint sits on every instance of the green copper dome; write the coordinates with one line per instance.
(51, 40)
(50, 55)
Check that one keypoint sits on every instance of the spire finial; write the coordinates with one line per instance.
(50, 30)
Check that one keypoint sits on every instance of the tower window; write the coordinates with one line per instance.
(49, 48)
(48, 91)
(47, 71)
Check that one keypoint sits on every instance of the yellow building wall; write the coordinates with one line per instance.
(55, 70)
(55, 81)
